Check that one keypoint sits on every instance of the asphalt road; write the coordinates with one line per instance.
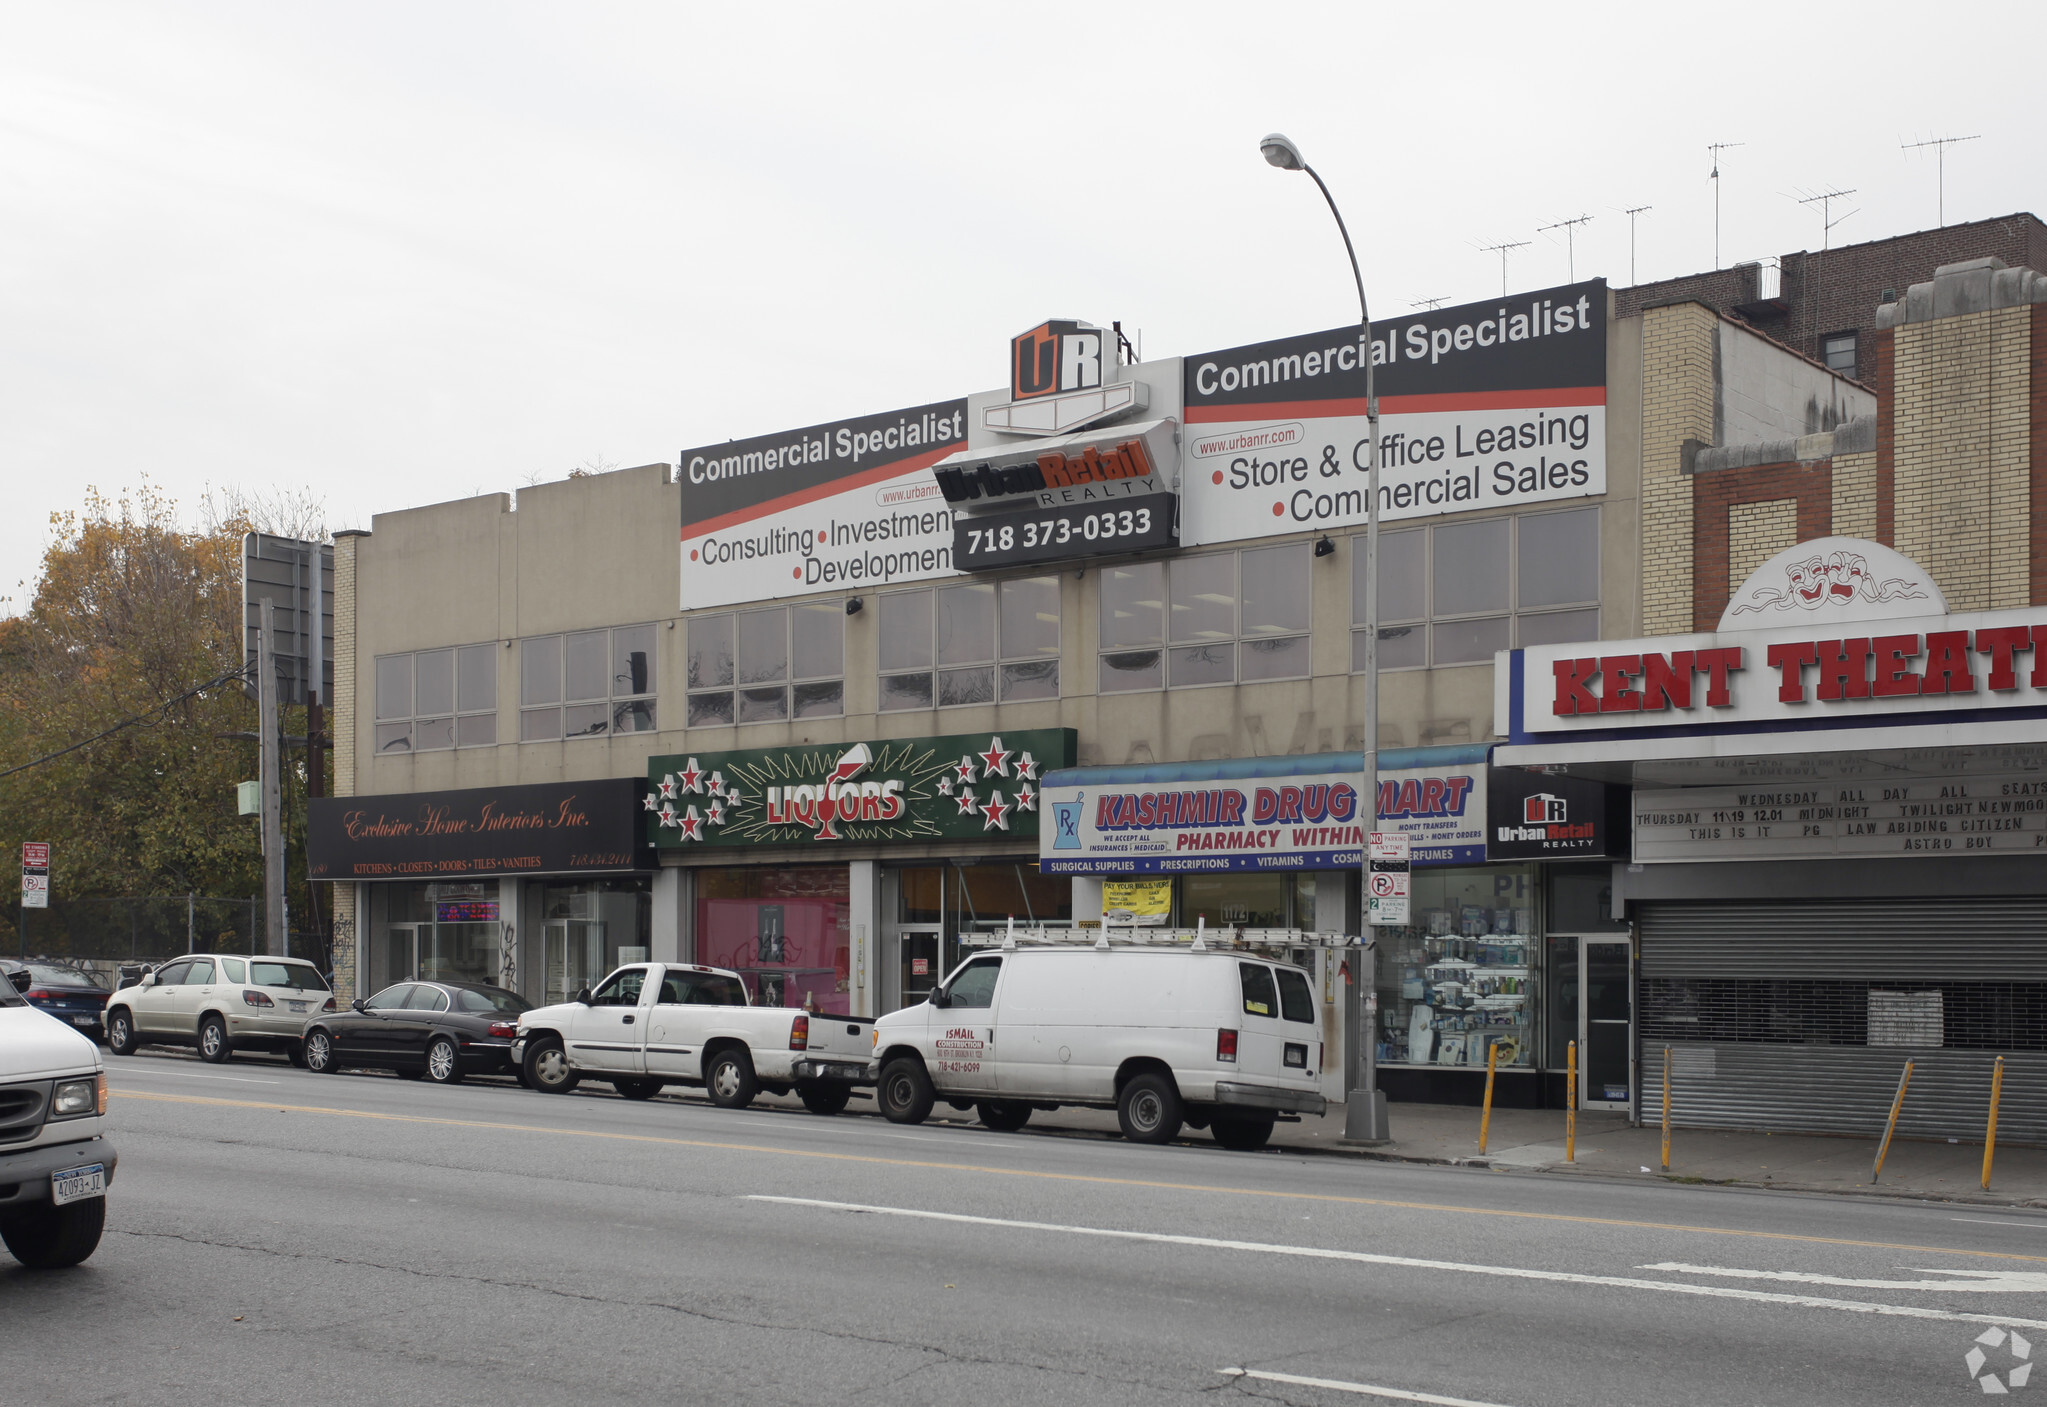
(276, 1235)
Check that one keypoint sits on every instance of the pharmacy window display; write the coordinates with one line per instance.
(1461, 979)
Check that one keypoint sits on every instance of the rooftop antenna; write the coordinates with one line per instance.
(1825, 200)
(1570, 229)
(1940, 146)
(1716, 148)
(1501, 250)
(1631, 212)
(1430, 303)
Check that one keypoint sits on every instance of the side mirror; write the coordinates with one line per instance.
(149, 979)
(356, 1005)
(941, 999)
(21, 980)
(583, 996)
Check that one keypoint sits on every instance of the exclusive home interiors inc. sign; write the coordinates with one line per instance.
(544, 828)
(967, 786)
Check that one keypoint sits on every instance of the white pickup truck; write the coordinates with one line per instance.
(652, 1024)
(55, 1164)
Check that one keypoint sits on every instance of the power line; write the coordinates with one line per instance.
(1570, 229)
(1716, 148)
(1940, 146)
(1501, 250)
(157, 709)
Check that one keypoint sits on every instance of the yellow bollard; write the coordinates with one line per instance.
(1485, 1122)
(1897, 1104)
(1666, 1108)
(1990, 1133)
(1571, 1104)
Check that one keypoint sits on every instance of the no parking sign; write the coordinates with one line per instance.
(1387, 882)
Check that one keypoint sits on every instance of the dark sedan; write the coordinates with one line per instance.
(439, 1030)
(70, 994)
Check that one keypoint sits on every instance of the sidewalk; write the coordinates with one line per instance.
(1525, 1140)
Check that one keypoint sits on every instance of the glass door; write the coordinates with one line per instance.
(572, 958)
(459, 952)
(395, 955)
(1606, 1023)
(923, 959)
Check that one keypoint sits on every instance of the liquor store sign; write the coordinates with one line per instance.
(966, 786)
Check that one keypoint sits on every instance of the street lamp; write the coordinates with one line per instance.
(1364, 1119)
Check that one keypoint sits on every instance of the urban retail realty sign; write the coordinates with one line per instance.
(967, 786)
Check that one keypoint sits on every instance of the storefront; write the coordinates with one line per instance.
(1839, 845)
(843, 878)
(539, 888)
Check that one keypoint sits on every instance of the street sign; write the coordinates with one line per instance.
(298, 578)
(35, 874)
(1391, 870)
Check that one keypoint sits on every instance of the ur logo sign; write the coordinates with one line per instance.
(1542, 809)
(1053, 357)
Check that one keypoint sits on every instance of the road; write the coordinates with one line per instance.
(278, 1235)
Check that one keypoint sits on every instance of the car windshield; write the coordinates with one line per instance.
(51, 974)
(286, 974)
(491, 1000)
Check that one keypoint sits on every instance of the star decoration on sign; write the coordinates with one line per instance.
(997, 812)
(690, 779)
(995, 761)
(715, 783)
(668, 786)
(692, 825)
(716, 814)
(945, 786)
(968, 806)
(667, 814)
(1026, 767)
(965, 771)
(651, 802)
(1026, 799)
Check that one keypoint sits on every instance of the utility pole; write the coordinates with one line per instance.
(275, 940)
(1940, 146)
(1570, 229)
(1501, 250)
(316, 689)
(1716, 148)
(1631, 212)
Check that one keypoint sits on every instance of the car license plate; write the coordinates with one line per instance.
(85, 1020)
(77, 1184)
(299, 1006)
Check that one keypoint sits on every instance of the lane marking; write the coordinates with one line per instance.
(1505, 1272)
(184, 1075)
(2026, 1282)
(1092, 1179)
(1361, 1389)
(1986, 1221)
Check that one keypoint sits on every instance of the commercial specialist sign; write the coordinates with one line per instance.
(1488, 405)
(967, 786)
(1275, 813)
(544, 828)
(832, 507)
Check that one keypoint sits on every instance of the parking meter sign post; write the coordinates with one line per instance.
(1386, 903)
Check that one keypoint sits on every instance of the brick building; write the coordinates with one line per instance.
(1823, 303)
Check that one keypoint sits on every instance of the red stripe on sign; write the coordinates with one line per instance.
(1558, 396)
(860, 479)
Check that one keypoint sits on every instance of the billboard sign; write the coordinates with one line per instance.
(840, 506)
(1488, 405)
(298, 579)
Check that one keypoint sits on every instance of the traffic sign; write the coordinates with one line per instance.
(35, 874)
(1387, 882)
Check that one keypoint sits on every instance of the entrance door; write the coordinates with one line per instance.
(572, 958)
(1606, 1023)
(395, 956)
(923, 959)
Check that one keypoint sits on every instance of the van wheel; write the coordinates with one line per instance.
(548, 1069)
(1149, 1110)
(637, 1089)
(51, 1238)
(824, 1096)
(905, 1094)
(1003, 1115)
(213, 1046)
(1243, 1134)
(730, 1079)
(121, 1032)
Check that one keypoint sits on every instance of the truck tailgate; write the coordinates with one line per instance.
(848, 1037)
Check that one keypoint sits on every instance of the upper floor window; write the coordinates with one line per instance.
(1838, 352)
(1219, 618)
(1453, 593)
(768, 665)
(586, 684)
(435, 699)
(973, 643)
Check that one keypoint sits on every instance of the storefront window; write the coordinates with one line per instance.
(1247, 900)
(441, 932)
(786, 932)
(1462, 978)
(588, 927)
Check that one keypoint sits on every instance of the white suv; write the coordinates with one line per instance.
(55, 1165)
(220, 1003)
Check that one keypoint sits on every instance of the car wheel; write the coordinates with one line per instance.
(905, 1093)
(319, 1053)
(1003, 1115)
(637, 1089)
(443, 1062)
(121, 1032)
(51, 1238)
(1244, 1134)
(1149, 1110)
(213, 1044)
(548, 1069)
(824, 1096)
(730, 1079)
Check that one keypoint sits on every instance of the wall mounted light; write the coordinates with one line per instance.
(853, 605)
(1324, 547)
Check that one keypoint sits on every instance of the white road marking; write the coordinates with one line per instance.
(1509, 1272)
(182, 1075)
(1987, 1221)
(1361, 1389)
(2023, 1282)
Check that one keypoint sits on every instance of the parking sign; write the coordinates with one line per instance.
(1388, 880)
(35, 874)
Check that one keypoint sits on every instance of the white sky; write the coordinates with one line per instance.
(400, 253)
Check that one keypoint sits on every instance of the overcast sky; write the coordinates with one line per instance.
(399, 253)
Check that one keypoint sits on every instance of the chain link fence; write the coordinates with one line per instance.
(150, 929)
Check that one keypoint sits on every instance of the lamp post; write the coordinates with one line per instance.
(1364, 1105)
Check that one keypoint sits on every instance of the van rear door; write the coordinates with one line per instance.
(1262, 1038)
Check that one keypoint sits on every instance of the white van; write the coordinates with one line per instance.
(1164, 1036)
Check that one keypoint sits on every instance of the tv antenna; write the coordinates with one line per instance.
(1502, 250)
(1940, 146)
(1631, 212)
(1570, 229)
(1430, 303)
(1716, 148)
(1825, 200)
